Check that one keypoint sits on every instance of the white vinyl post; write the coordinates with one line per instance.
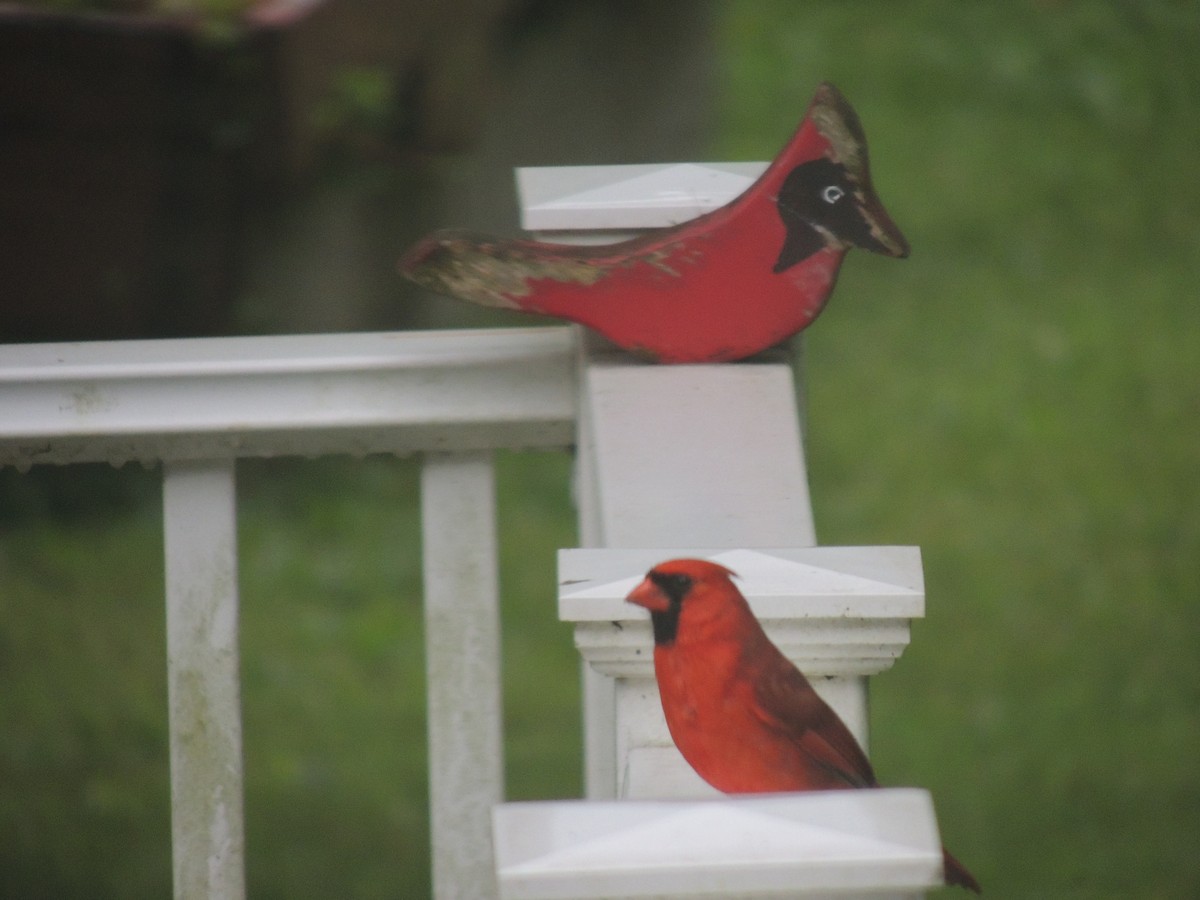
(200, 544)
(676, 456)
(462, 663)
(708, 457)
(669, 456)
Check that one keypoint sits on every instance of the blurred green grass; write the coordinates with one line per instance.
(1020, 398)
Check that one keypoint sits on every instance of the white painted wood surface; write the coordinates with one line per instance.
(217, 398)
(575, 199)
(682, 452)
(462, 664)
(865, 844)
(203, 679)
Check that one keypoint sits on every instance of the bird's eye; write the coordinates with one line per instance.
(832, 193)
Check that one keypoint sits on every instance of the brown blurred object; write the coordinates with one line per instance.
(135, 147)
(174, 175)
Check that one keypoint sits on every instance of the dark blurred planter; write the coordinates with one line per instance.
(141, 156)
(129, 149)
(135, 150)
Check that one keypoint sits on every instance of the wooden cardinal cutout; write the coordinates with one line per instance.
(720, 287)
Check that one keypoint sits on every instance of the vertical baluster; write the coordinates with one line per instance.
(199, 537)
(462, 652)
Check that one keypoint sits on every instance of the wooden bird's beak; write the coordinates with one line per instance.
(883, 235)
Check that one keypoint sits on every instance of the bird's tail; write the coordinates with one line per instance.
(957, 874)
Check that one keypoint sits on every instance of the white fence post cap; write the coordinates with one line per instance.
(840, 611)
(810, 582)
(598, 198)
(856, 843)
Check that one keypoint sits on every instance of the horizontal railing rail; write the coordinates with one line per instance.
(223, 398)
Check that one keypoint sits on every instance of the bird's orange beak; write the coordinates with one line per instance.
(649, 595)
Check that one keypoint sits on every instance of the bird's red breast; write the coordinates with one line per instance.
(718, 287)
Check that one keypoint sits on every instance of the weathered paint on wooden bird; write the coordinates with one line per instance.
(719, 287)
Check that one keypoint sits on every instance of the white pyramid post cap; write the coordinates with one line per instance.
(833, 610)
(606, 198)
(869, 843)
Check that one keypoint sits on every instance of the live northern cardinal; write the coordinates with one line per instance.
(742, 715)
(719, 287)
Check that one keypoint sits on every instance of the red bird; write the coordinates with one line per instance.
(742, 715)
(719, 287)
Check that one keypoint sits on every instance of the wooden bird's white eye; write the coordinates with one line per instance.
(832, 194)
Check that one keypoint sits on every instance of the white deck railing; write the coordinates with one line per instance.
(667, 456)
(197, 406)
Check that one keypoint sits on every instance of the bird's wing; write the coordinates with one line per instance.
(788, 704)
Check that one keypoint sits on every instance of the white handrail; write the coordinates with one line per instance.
(222, 398)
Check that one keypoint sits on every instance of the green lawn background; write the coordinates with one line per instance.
(1021, 399)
